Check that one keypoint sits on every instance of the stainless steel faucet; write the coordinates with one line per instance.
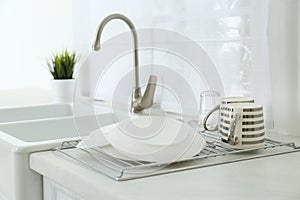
(139, 102)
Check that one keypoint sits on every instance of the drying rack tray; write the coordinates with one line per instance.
(213, 154)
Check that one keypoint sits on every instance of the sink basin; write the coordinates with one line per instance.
(20, 138)
(35, 112)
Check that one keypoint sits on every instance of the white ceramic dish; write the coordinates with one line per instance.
(111, 151)
(173, 141)
(138, 132)
(150, 130)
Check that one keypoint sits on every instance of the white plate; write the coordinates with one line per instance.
(161, 147)
(111, 151)
(172, 141)
(152, 130)
(194, 149)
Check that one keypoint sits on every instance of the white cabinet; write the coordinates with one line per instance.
(54, 191)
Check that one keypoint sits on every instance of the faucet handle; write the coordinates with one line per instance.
(152, 79)
(147, 99)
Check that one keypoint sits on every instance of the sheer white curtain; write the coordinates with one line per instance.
(284, 27)
(234, 34)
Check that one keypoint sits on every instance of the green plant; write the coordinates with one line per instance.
(61, 66)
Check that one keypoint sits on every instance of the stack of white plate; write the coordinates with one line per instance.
(148, 138)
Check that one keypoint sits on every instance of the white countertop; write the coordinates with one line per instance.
(276, 177)
(273, 178)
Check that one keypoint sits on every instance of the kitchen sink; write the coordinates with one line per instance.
(35, 112)
(39, 129)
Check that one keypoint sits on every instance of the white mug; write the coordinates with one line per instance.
(242, 125)
(220, 107)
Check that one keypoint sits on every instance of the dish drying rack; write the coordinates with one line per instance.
(213, 154)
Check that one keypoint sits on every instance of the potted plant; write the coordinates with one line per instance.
(61, 66)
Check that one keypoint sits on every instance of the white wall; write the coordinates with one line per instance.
(30, 31)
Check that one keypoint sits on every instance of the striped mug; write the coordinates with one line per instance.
(220, 107)
(241, 125)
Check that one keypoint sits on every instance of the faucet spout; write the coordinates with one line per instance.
(138, 102)
(97, 43)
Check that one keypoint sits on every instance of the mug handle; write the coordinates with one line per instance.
(217, 107)
(232, 138)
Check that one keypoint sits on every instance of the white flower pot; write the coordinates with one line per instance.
(63, 90)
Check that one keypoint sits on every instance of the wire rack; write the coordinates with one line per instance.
(213, 154)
